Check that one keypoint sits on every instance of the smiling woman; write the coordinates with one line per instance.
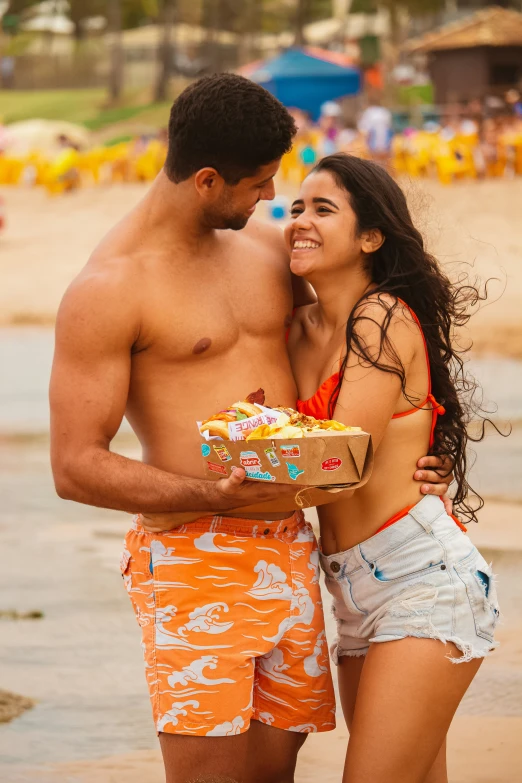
(411, 593)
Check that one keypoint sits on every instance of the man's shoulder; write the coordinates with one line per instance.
(106, 281)
(265, 231)
(267, 236)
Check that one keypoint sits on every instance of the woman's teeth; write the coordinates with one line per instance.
(303, 244)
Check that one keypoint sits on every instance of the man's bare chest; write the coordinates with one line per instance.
(195, 315)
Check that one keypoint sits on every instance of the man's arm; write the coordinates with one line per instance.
(98, 323)
(302, 291)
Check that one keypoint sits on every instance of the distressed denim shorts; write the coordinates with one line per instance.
(420, 577)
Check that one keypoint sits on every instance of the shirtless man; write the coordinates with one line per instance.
(174, 318)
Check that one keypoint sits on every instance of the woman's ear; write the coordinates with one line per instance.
(372, 240)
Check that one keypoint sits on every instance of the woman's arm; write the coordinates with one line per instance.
(369, 395)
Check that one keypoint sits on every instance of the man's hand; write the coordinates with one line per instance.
(437, 475)
(228, 494)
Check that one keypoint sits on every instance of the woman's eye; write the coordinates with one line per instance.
(324, 209)
(295, 212)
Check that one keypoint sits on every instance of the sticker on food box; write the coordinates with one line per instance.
(249, 459)
(217, 468)
(293, 471)
(331, 464)
(290, 452)
(205, 450)
(259, 475)
(223, 453)
(272, 456)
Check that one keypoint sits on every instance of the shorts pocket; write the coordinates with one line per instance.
(344, 604)
(479, 581)
(418, 557)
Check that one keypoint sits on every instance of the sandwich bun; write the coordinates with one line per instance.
(247, 408)
(216, 427)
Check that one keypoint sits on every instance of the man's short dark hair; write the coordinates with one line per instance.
(228, 123)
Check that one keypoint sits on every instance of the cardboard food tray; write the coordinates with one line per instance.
(333, 461)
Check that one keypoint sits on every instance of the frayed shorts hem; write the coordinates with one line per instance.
(469, 651)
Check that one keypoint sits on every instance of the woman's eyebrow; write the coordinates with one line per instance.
(300, 202)
(324, 201)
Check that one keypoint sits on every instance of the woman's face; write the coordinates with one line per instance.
(322, 233)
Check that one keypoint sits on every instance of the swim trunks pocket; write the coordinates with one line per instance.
(479, 581)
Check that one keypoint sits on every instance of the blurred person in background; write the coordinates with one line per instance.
(376, 124)
(330, 127)
(7, 71)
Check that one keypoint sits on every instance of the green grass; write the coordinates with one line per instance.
(85, 107)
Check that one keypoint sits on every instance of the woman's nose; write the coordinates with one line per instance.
(302, 221)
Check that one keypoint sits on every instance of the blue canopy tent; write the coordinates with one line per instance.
(304, 81)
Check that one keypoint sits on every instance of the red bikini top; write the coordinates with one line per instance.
(317, 405)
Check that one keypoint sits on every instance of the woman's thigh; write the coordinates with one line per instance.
(406, 697)
(349, 674)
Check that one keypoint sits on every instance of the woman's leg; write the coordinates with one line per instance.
(406, 697)
(349, 674)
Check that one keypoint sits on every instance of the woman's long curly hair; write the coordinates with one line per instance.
(404, 269)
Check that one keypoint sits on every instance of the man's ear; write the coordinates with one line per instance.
(208, 182)
(372, 240)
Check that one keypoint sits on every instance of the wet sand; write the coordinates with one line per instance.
(47, 241)
(82, 661)
(322, 757)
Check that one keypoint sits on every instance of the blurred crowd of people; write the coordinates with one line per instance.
(476, 140)
(70, 167)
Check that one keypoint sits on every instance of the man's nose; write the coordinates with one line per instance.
(268, 192)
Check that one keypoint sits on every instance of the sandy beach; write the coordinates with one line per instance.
(81, 662)
(471, 227)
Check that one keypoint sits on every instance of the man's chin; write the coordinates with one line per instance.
(237, 223)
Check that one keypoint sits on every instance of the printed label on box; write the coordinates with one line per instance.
(259, 475)
(222, 453)
(272, 456)
(331, 464)
(249, 459)
(205, 450)
(293, 471)
(217, 468)
(290, 452)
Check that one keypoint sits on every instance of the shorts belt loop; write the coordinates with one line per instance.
(365, 565)
(427, 511)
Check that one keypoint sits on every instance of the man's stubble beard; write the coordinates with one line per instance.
(223, 220)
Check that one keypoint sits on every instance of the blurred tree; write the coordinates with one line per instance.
(168, 13)
(81, 10)
(307, 11)
(138, 12)
(114, 23)
(396, 10)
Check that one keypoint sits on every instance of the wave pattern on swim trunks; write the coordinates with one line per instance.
(232, 625)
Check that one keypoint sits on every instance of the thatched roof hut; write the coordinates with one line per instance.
(475, 56)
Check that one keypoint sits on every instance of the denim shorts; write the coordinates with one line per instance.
(420, 577)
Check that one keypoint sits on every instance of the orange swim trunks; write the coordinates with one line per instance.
(232, 625)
